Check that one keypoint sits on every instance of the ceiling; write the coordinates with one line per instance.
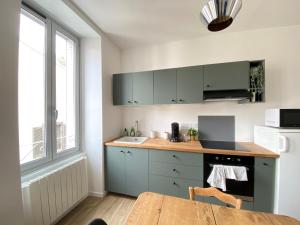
(134, 23)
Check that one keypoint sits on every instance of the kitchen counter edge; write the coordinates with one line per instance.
(195, 147)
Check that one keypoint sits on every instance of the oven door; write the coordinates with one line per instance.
(242, 188)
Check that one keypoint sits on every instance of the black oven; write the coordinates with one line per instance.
(242, 188)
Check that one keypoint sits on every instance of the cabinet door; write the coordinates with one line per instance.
(190, 84)
(264, 184)
(122, 89)
(136, 171)
(143, 88)
(227, 76)
(115, 169)
(172, 186)
(165, 85)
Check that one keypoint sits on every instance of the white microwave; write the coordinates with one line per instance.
(285, 118)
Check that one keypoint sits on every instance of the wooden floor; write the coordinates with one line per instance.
(112, 208)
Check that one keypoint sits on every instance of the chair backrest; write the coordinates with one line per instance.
(213, 192)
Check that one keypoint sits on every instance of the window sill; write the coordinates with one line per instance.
(47, 169)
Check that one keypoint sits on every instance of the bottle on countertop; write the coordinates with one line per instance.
(132, 132)
(125, 133)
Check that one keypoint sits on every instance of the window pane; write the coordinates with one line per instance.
(65, 92)
(31, 87)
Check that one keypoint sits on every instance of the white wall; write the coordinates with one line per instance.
(112, 115)
(91, 108)
(101, 121)
(280, 48)
(10, 186)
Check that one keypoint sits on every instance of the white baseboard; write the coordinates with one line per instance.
(97, 194)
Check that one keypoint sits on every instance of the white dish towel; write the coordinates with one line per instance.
(220, 173)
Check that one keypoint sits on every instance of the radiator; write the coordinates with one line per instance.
(47, 198)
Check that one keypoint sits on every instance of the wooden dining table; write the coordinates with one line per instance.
(152, 208)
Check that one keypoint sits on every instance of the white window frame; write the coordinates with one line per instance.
(63, 31)
(50, 94)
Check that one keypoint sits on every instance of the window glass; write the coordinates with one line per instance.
(31, 88)
(65, 92)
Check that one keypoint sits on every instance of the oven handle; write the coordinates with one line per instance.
(212, 165)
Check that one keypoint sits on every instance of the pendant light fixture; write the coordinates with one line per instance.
(219, 14)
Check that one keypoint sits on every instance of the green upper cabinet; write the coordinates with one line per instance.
(190, 84)
(264, 184)
(122, 89)
(165, 86)
(133, 88)
(179, 85)
(183, 85)
(227, 76)
(143, 88)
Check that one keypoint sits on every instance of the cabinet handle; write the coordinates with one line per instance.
(130, 102)
(174, 170)
(136, 102)
(129, 152)
(180, 100)
(122, 151)
(174, 183)
(265, 164)
(208, 85)
(173, 100)
(174, 156)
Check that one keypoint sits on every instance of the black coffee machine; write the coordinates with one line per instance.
(175, 137)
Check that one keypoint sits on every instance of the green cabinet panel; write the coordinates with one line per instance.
(115, 169)
(126, 170)
(143, 88)
(175, 170)
(172, 186)
(183, 158)
(165, 86)
(212, 200)
(264, 184)
(122, 89)
(172, 173)
(133, 88)
(247, 205)
(190, 84)
(227, 76)
(136, 167)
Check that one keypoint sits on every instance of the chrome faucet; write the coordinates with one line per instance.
(137, 132)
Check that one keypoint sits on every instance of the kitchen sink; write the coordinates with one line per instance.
(131, 140)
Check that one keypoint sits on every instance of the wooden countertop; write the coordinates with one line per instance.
(155, 209)
(195, 146)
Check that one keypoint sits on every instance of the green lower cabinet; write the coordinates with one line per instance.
(264, 184)
(126, 170)
(247, 205)
(136, 171)
(172, 186)
(115, 169)
(211, 200)
(132, 171)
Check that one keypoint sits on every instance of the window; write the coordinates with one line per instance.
(47, 90)
(65, 92)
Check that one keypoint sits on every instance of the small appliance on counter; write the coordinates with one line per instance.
(175, 136)
(282, 118)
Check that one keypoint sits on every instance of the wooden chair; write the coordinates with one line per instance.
(213, 192)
